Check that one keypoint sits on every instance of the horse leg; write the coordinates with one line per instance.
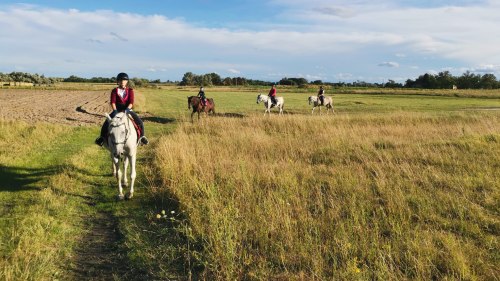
(125, 166)
(192, 116)
(113, 174)
(312, 111)
(130, 193)
(319, 109)
(119, 178)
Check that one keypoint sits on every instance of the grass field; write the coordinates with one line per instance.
(392, 186)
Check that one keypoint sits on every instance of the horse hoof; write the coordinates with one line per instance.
(113, 175)
(129, 196)
(120, 197)
(125, 183)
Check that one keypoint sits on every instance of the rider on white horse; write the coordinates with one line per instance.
(321, 95)
(122, 100)
(272, 94)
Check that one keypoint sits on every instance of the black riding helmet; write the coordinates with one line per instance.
(122, 76)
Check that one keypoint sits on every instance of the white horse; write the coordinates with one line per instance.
(122, 141)
(268, 103)
(328, 101)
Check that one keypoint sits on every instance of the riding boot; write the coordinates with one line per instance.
(99, 141)
(144, 140)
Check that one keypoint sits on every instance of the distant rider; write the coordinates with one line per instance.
(321, 95)
(272, 94)
(201, 95)
(122, 100)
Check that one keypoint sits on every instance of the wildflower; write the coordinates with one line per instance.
(173, 212)
(163, 212)
(158, 216)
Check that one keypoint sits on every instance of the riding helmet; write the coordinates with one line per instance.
(201, 88)
(122, 76)
(321, 87)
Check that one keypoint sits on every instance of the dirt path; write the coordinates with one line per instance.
(97, 258)
(77, 108)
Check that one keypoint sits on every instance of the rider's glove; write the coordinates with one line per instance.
(113, 114)
(127, 111)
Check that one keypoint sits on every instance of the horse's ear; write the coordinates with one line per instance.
(108, 117)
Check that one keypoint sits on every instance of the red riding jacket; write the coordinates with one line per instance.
(272, 93)
(122, 103)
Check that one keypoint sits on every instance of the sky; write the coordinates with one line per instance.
(329, 40)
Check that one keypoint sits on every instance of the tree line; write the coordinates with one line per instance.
(212, 79)
(28, 78)
(445, 80)
(442, 80)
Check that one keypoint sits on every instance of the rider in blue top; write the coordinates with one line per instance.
(201, 95)
(321, 96)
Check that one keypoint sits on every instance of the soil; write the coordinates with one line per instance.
(77, 108)
(97, 257)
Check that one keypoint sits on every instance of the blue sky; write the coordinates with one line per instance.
(331, 40)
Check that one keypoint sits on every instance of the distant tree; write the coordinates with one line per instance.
(188, 79)
(227, 81)
(489, 81)
(445, 80)
(393, 84)
(216, 79)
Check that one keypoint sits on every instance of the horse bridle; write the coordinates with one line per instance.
(126, 133)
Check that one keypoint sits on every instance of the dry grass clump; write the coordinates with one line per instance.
(398, 196)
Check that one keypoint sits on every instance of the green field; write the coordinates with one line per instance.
(393, 186)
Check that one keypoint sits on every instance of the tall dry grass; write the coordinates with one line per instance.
(392, 197)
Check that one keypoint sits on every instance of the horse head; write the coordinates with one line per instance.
(118, 133)
(259, 98)
(310, 100)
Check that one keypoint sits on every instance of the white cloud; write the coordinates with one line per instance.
(389, 64)
(342, 76)
(400, 55)
(319, 67)
(336, 11)
(162, 70)
(428, 50)
(413, 67)
(433, 72)
(41, 39)
(314, 77)
(489, 68)
(151, 70)
(234, 71)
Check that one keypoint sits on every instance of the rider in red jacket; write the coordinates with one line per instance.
(122, 100)
(272, 94)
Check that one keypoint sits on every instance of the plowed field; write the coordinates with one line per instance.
(77, 108)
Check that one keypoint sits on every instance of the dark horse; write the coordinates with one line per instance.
(197, 107)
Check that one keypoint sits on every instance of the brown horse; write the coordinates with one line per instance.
(195, 103)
